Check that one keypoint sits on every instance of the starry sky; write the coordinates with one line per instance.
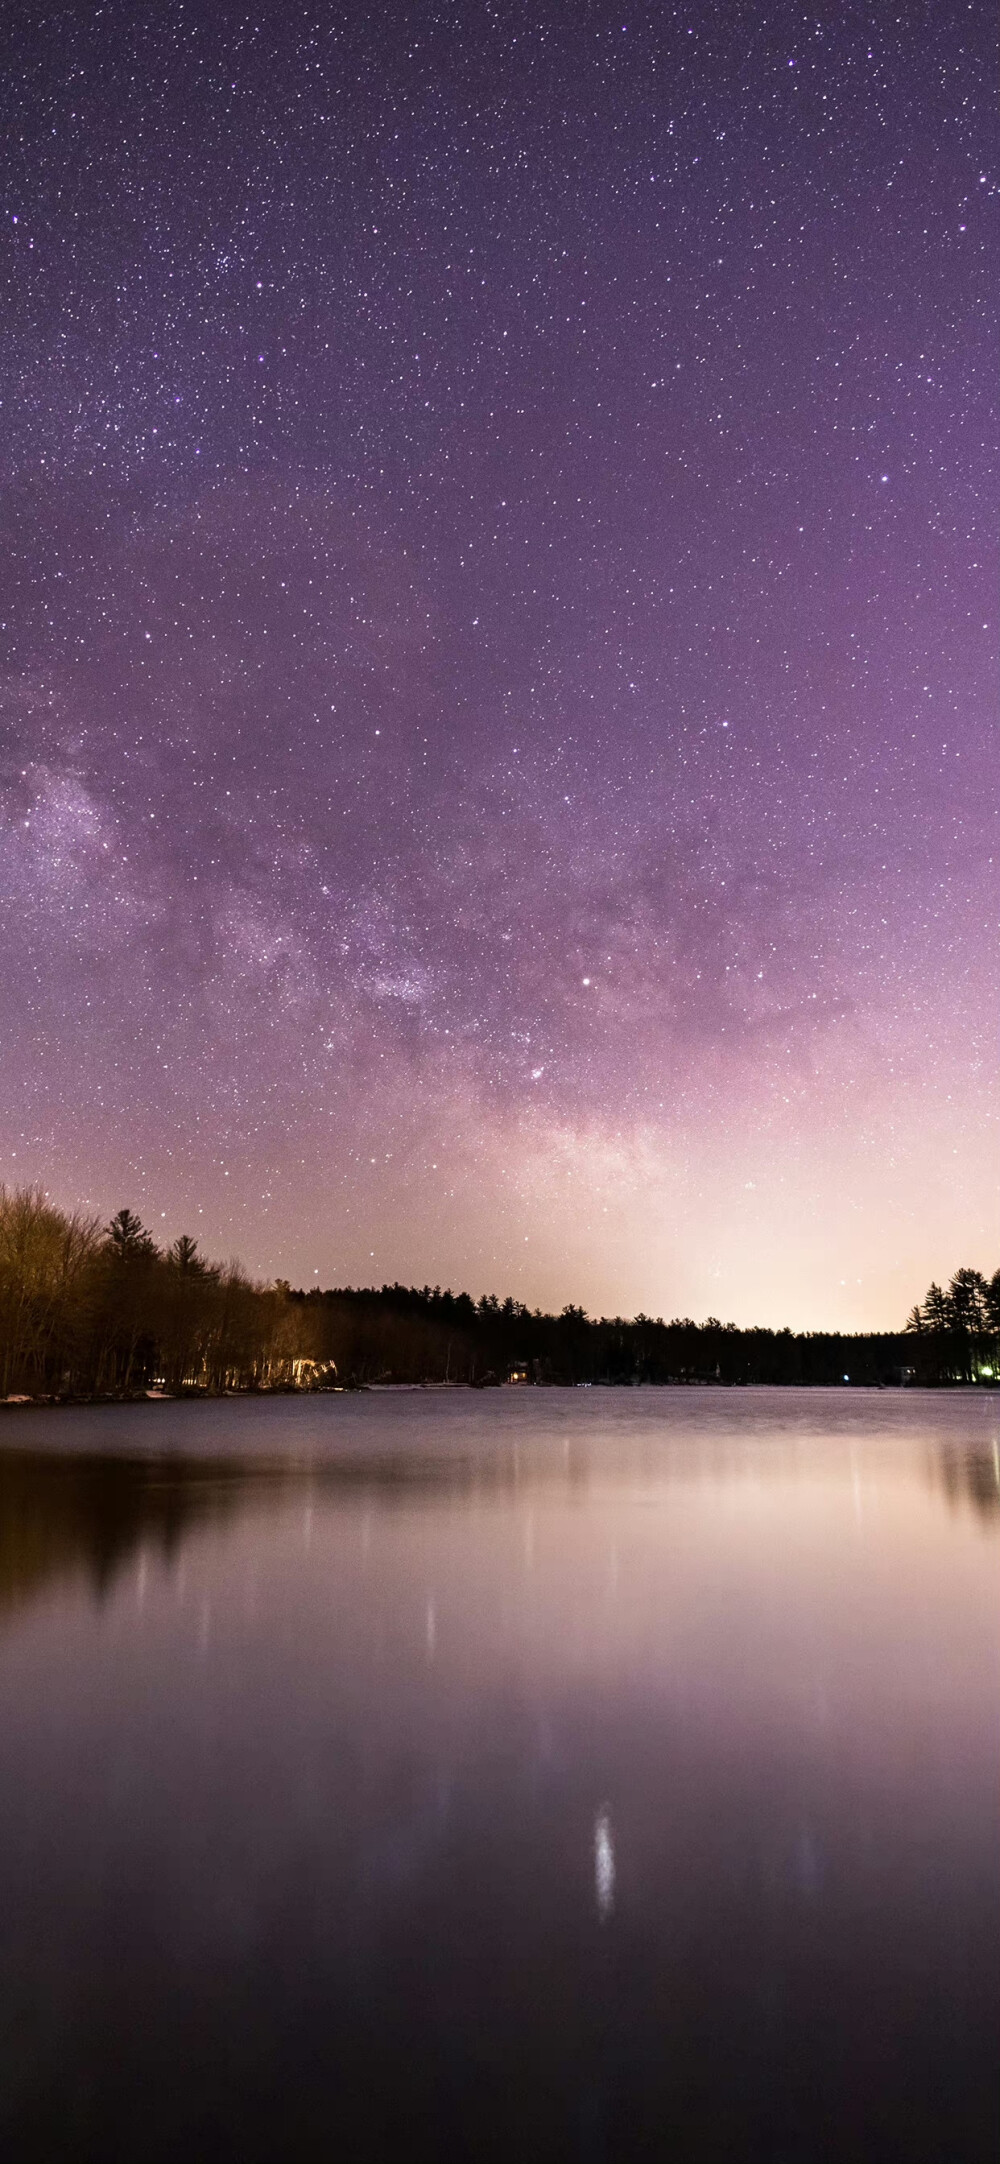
(498, 747)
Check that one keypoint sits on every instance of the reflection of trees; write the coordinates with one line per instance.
(64, 1515)
(80, 1513)
(972, 1476)
(84, 1514)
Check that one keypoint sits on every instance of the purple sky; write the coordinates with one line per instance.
(499, 698)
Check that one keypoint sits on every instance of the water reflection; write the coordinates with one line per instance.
(566, 1780)
(66, 1516)
(85, 1512)
(972, 1475)
(604, 1864)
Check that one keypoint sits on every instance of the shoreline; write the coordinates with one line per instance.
(123, 1399)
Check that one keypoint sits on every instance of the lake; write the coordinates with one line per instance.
(523, 1775)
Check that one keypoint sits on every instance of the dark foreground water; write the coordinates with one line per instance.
(529, 1776)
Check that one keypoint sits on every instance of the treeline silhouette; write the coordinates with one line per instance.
(400, 1334)
(956, 1333)
(100, 1311)
(92, 1310)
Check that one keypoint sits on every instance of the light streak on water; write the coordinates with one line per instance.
(604, 1864)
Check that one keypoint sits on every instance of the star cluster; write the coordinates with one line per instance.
(498, 595)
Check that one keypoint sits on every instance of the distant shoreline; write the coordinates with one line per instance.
(129, 1401)
(93, 1314)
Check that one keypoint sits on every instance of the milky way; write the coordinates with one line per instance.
(498, 580)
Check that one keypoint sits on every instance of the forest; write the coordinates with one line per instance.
(90, 1311)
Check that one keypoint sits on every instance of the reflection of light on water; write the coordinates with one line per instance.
(604, 1864)
(808, 1866)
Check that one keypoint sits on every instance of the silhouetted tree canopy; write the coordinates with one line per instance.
(958, 1331)
(86, 1310)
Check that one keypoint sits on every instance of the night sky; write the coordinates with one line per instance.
(498, 582)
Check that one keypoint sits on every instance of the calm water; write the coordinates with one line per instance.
(526, 1776)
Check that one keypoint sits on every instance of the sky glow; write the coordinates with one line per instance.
(498, 581)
